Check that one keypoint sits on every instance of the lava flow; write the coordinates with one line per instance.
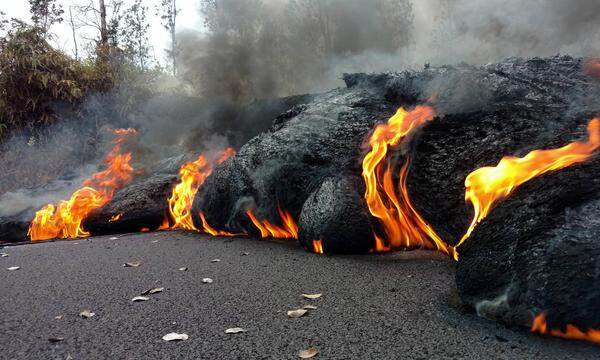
(488, 185)
(192, 176)
(401, 223)
(571, 332)
(288, 230)
(64, 220)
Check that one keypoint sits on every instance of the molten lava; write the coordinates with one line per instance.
(288, 230)
(192, 176)
(64, 220)
(592, 68)
(572, 332)
(402, 225)
(488, 185)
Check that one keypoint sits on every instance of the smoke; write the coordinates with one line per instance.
(451, 31)
(265, 48)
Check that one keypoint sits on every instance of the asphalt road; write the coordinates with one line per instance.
(399, 306)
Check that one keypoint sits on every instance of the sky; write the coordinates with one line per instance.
(188, 19)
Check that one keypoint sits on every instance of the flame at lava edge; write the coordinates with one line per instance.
(487, 186)
(288, 230)
(64, 220)
(572, 332)
(192, 175)
(402, 225)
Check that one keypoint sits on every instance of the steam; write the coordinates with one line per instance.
(265, 48)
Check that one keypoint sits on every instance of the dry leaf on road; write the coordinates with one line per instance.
(308, 353)
(215, 260)
(309, 307)
(132, 264)
(294, 314)
(56, 339)
(175, 337)
(183, 268)
(153, 291)
(312, 296)
(140, 298)
(3, 254)
(234, 330)
(58, 317)
(207, 281)
(13, 268)
(87, 314)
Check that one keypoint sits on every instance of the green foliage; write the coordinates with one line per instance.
(34, 76)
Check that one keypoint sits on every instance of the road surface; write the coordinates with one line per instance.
(398, 306)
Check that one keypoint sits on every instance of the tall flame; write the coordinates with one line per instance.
(488, 185)
(402, 225)
(572, 332)
(192, 176)
(288, 230)
(64, 220)
(317, 246)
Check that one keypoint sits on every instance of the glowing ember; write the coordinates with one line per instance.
(402, 225)
(192, 176)
(288, 230)
(212, 231)
(592, 68)
(64, 220)
(488, 185)
(572, 332)
(317, 246)
(115, 218)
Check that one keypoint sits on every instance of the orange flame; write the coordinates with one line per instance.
(212, 231)
(192, 174)
(64, 220)
(592, 68)
(289, 229)
(488, 185)
(317, 246)
(402, 225)
(572, 332)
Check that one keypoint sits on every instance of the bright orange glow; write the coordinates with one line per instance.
(64, 220)
(572, 332)
(212, 231)
(488, 185)
(115, 218)
(402, 225)
(317, 246)
(192, 176)
(288, 230)
(592, 68)
(144, 229)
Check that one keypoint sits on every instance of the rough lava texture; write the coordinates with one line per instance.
(536, 256)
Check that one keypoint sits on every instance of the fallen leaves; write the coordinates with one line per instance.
(312, 296)
(183, 268)
(132, 264)
(308, 353)
(140, 298)
(55, 339)
(3, 255)
(175, 337)
(309, 307)
(245, 253)
(207, 281)
(58, 317)
(294, 314)
(215, 260)
(13, 268)
(153, 291)
(234, 330)
(87, 314)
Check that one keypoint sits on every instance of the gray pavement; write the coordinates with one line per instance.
(397, 306)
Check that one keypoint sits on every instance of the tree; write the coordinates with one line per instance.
(168, 15)
(45, 13)
(134, 33)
